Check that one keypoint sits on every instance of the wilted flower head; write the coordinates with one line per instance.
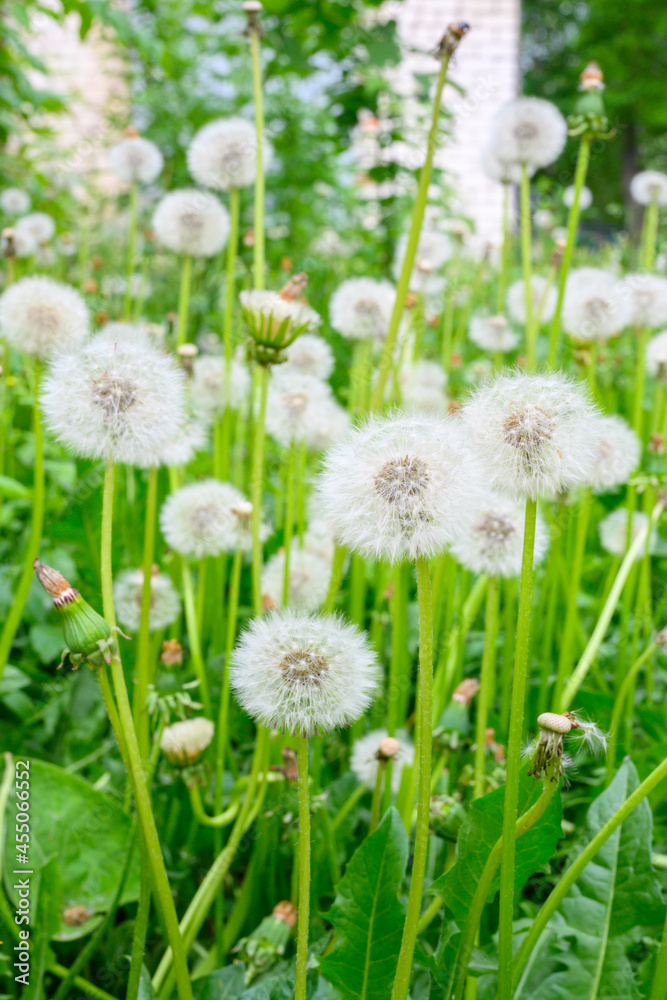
(494, 543)
(399, 487)
(544, 298)
(548, 758)
(493, 333)
(208, 518)
(14, 201)
(434, 249)
(310, 355)
(41, 316)
(615, 537)
(304, 673)
(212, 390)
(135, 160)
(294, 406)
(276, 319)
(656, 356)
(361, 308)
(184, 742)
(596, 306)
(309, 576)
(585, 197)
(39, 225)
(648, 186)
(123, 402)
(191, 222)
(367, 752)
(223, 154)
(533, 433)
(617, 453)
(505, 171)
(165, 606)
(422, 384)
(530, 131)
(648, 299)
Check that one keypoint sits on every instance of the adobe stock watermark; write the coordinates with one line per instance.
(22, 860)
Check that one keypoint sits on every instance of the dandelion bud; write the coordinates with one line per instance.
(374, 750)
(75, 916)
(87, 634)
(451, 38)
(8, 247)
(388, 748)
(266, 945)
(276, 319)
(184, 742)
(548, 756)
(172, 653)
(466, 691)
(187, 353)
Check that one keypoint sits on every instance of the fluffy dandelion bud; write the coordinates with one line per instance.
(543, 300)
(369, 750)
(528, 131)
(14, 201)
(309, 576)
(192, 223)
(361, 308)
(656, 356)
(648, 299)
(42, 317)
(493, 545)
(533, 433)
(399, 487)
(615, 537)
(617, 453)
(223, 154)
(184, 742)
(276, 319)
(165, 605)
(87, 634)
(310, 355)
(136, 160)
(208, 518)
(304, 673)
(649, 186)
(38, 225)
(493, 333)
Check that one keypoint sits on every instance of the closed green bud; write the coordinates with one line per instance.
(87, 634)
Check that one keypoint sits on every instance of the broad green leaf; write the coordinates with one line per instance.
(585, 945)
(85, 831)
(146, 991)
(479, 832)
(367, 917)
(13, 489)
(223, 984)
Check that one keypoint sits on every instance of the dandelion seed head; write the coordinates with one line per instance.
(648, 186)
(585, 197)
(656, 356)
(165, 604)
(208, 518)
(37, 225)
(294, 409)
(310, 355)
(596, 305)
(333, 423)
(14, 201)
(493, 333)
(192, 223)
(309, 576)
(223, 154)
(493, 545)
(136, 160)
(190, 438)
(617, 453)
(361, 308)
(543, 300)
(615, 537)
(434, 249)
(41, 316)
(364, 761)
(648, 299)
(212, 390)
(530, 131)
(504, 171)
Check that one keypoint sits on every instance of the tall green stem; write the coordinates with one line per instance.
(304, 872)
(221, 734)
(659, 987)
(504, 253)
(193, 633)
(486, 681)
(232, 248)
(258, 246)
(151, 840)
(423, 756)
(572, 224)
(289, 521)
(619, 703)
(510, 808)
(418, 211)
(131, 247)
(527, 263)
(184, 301)
(564, 659)
(15, 613)
(143, 666)
(256, 479)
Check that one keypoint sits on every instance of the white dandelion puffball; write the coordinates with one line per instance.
(648, 299)
(223, 154)
(585, 197)
(208, 518)
(183, 742)
(361, 308)
(123, 402)
(544, 297)
(136, 160)
(14, 201)
(39, 225)
(190, 438)
(310, 355)
(165, 606)
(333, 423)
(494, 543)
(532, 432)
(422, 384)
(318, 539)
(656, 356)
(543, 218)
(433, 250)
(274, 317)
(530, 131)
(192, 223)
(401, 487)
(309, 576)
(493, 333)
(21, 241)
(596, 305)
(504, 171)
(212, 390)
(304, 673)
(618, 452)
(613, 530)
(364, 758)
(294, 406)
(648, 186)
(41, 316)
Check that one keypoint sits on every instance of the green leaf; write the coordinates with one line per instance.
(479, 832)
(13, 489)
(367, 917)
(46, 896)
(585, 945)
(223, 984)
(85, 831)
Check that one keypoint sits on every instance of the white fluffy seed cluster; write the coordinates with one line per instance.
(656, 356)
(648, 186)
(136, 160)
(299, 408)
(493, 333)
(208, 518)
(529, 131)
(361, 308)
(190, 438)
(309, 355)
(596, 305)
(165, 606)
(39, 226)
(585, 197)
(543, 299)
(433, 250)
(399, 487)
(493, 545)
(504, 171)
(364, 761)
(422, 386)
(223, 154)
(304, 673)
(14, 201)
(615, 537)
(41, 316)
(617, 453)
(533, 433)
(123, 402)
(192, 223)
(212, 389)
(648, 299)
(309, 576)
(183, 742)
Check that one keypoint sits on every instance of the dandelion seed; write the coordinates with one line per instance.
(294, 408)
(618, 453)
(493, 333)
(493, 545)
(192, 223)
(648, 299)
(615, 537)
(648, 186)
(434, 249)
(14, 201)
(309, 576)
(543, 298)
(530, 131)
(310, 355)
(136, 160)
(212, 389)
(208, 518)
(165, 605)
(37, 225)
(42, 317)
(223, 154)
(656, 356)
